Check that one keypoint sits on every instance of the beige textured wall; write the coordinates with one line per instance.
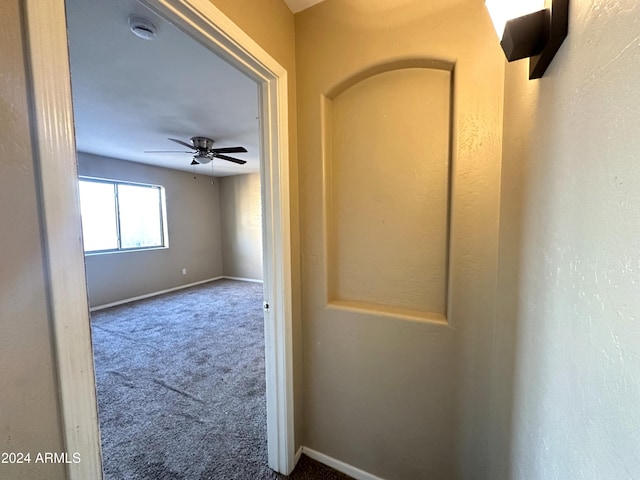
(398, 396)
(193, 219)
(569, 305)
(241, 226)
(29, 410)
(388, 183)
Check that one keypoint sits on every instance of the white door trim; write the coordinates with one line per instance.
(55, 163)
(55, 155)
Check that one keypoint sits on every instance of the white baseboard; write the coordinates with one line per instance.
(153, 294)
(297, 456)
(338, 465)
(242, 279)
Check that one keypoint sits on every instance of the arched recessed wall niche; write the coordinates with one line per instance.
(387, 157)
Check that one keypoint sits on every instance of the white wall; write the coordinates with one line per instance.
(569, 266)
(193, 222)
(241, 226)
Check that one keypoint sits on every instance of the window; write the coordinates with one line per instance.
(119, 216)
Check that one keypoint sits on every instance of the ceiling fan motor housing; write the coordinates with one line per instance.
(204, 146)
(202, 143)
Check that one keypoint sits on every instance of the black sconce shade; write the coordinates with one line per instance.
(525, 36)
(537, 35)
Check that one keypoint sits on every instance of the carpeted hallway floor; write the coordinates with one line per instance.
(181, 387)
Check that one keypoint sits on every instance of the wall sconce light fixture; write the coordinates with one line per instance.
(527, 31)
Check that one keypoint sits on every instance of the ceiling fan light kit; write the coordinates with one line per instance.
(202, 159)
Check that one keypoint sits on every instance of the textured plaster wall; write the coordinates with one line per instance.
(388, 181)
(392, 394)
(29, 410)
(241, 226)
(193, 222)
(569, 267)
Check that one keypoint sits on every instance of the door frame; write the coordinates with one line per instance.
(56, 166)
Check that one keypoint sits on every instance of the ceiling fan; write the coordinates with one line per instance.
(203, 151)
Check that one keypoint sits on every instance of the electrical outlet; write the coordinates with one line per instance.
(184, 271)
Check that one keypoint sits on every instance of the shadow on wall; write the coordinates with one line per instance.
(520, 107)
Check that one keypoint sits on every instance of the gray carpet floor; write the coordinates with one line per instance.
(181, 387)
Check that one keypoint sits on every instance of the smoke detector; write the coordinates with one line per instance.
(142, 27)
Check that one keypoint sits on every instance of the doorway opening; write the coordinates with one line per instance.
(55, 148)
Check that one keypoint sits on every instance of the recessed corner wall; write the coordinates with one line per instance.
(387, 139)
(241, 226)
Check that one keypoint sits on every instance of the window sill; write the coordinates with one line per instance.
(129, 250)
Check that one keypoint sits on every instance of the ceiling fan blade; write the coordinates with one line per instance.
(230, 150)
(193, 162)
(231, 159)
(166, 151)
(182, 143)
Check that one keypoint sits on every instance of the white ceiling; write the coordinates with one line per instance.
(131, 94)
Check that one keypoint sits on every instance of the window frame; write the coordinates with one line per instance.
(164, 235)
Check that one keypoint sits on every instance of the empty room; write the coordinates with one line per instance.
(170, 194)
